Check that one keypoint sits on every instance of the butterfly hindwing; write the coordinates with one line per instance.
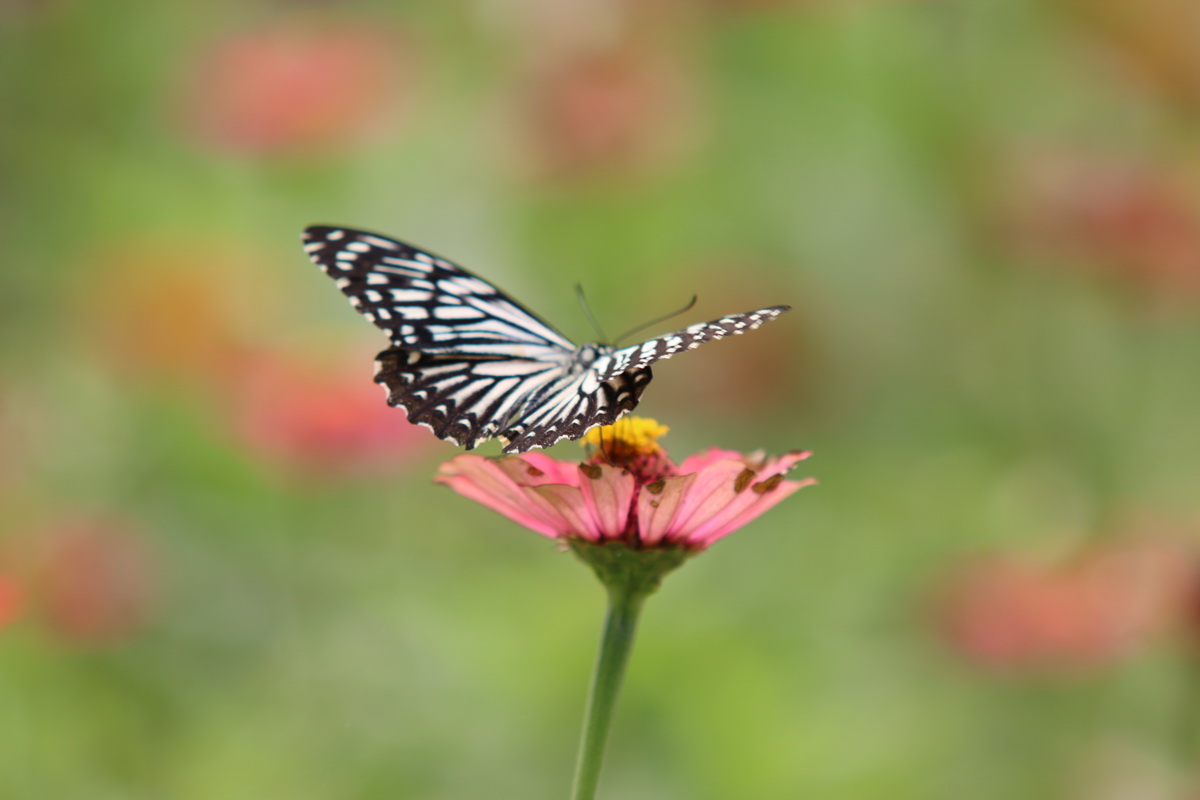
(568, 410)
(461, 399)
(464, 401)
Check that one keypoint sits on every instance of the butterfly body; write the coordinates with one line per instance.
(470, 364)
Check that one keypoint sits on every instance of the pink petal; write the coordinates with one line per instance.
(656, 510)
(698, 461)
(728, 494)
(538, 468)
(609, 496)
(568, 504)
(712, 489)
(484, 481)
(755, 492)
(757, 461)
(751, 489)
(779, 465)
(737, 515)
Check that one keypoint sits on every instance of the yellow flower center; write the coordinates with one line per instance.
(629, 436)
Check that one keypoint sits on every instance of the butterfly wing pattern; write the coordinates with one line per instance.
(470, 364)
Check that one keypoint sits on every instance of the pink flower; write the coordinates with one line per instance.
(1138, 222)
(317, 418)
(633, 516)
(628, 491)
(1007, 612)
(298, 85)
(95, 581)
(12, 598)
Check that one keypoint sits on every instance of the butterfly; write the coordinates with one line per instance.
(470, 363)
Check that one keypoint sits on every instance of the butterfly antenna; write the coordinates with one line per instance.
(657, 320)
(603, 449)
(587, 312)
(592, 449)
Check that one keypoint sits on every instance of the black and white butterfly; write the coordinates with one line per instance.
(470, 364)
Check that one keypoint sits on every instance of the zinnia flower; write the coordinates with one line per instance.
(632, 515)
(628, 490)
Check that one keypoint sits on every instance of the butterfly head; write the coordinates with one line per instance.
(586, 355)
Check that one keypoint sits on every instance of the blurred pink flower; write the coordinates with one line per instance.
(320, 418)
(629, 109)
(628, 491)
(1006, 612)
(1136, 221)
(12, 599)
(298, 85)
(93, 581)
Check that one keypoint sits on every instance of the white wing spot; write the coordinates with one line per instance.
(420, 268)
(407, 273)
(410, 296)
(378, 242)
(463, 285)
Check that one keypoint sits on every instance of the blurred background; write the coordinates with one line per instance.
(224, 570)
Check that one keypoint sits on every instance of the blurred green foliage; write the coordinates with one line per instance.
(984, 213)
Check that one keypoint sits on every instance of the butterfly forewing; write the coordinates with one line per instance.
(425, 302)
(691, 337)
(469, 363)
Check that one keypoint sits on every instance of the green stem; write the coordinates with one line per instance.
(620, 624)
